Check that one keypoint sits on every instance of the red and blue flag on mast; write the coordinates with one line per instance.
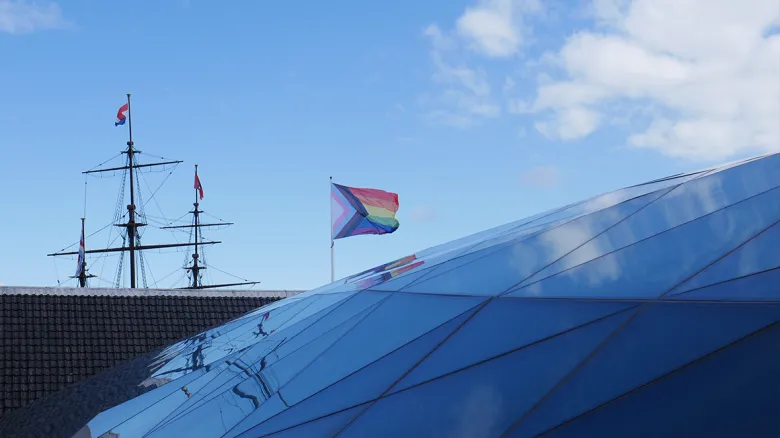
(121, 115)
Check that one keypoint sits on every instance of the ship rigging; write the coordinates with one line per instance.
(135, 219)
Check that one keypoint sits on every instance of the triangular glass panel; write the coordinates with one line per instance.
(731, 393)
(507, 324)
(310, 313)
(757, 255)
(652, 267)
(362, 386)
(763, 286)
(324, 427)
(485, 399)
(500, 270)
(117, 415)
(661, 338)
(681, 205)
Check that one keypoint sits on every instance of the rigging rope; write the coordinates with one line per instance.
(159, 187)
(56, 272)
(141, 261)
(121, 262)
(119, 154)
(156, 283)
(85, 196)
(227, 273)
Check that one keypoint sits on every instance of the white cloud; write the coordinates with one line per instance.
(495, 28)
(466, 95)
(21, 16)
(491, 29)
(707, 68)
(541, 176)
(569, 123)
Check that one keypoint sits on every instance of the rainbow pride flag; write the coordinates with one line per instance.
(362, 211)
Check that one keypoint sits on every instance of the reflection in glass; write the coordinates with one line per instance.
(683, 204)
(653, 267)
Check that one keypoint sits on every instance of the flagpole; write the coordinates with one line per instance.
(332, 256)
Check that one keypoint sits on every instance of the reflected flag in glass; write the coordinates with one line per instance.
(362, 211)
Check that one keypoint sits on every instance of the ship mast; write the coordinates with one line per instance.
(82, 272)
(131, 225)
(195, 268)
(134, 247)
(197, 265)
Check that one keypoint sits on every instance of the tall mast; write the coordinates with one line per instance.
(195, 267)
(131, 225)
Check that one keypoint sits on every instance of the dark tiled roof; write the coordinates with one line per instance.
(50, 342)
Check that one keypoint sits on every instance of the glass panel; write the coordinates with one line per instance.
(498, 272)
(398, 320)
(681, 205)
(322, 305)
(441, 253)
(757, 287)
(423, 263)
(516, 235)
(661, 338)
(117, 415)
(398, 283)
(474, 239)
(403, 282)
(484, 400)
(733, 393)
(504, 325)
(153, 411)
(356, 305)
(653, 266)
(211, 345)
(216, 418)
(759, 254)
(233, 370)
(364, 385)
(615, 197)
(324, 427)
(256, 378)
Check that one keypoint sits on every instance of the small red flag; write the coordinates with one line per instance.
(198, 186)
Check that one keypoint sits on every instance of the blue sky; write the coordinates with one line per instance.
(476, 112)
